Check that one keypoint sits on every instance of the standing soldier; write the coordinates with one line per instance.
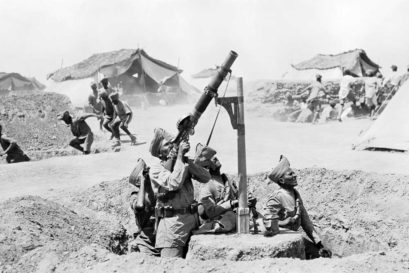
(123, 115)
(317, 90)
(175, 209)
(95, 103)
(108, 112)
(105, 84)
(285, 209)
(81, 131)
(14, 153)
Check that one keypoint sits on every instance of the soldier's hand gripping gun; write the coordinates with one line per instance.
(186, 125)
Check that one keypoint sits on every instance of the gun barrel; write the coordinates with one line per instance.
(212, 87)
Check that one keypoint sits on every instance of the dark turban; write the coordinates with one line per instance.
(203, 155)
(65, 116)
(159, 135)
(282, 167)
(114, 96)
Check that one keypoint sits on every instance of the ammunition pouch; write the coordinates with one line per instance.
(169, 211)
(164, 197)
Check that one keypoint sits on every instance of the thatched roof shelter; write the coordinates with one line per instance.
(354, 60)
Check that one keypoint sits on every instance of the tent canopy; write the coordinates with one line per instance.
(391, 129)
(354, 60)
(17, 82)
(130, 71)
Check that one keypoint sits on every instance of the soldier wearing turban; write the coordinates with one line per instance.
(218, 198)
(285, 209)
(176, 210)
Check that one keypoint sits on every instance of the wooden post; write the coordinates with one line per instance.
(243, 210)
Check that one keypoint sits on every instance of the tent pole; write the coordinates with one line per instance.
(143, 73)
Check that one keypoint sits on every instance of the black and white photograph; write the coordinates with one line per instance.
(204, 136)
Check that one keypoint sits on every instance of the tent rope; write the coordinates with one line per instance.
(218, 112)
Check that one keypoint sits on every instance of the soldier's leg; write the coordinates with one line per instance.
(115, 128)
(106, 122)
(76, 144)
(88, 142)
(171, 252)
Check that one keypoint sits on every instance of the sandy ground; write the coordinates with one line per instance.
(324, 145)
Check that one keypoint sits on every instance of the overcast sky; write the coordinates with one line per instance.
(38, 36)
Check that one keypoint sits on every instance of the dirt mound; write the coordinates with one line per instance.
(31, 119)
(355, 211)
(36, 227)
(363, 217)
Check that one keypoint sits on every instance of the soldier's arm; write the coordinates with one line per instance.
(170, 181)
(12, 142)
(307, 225)
(84, 117)
(273, 207)
(212, 209)
(198, 173)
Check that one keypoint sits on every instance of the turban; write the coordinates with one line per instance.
(103, 94)
(93, 84)
(203, 155)
(114, 96)
(159, 135)
(282, 167)
(64, 116)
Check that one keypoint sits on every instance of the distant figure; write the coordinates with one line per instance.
(81, 131)
(372, 86)
(285, 209)
(317, 91)
(10, 148)
(95, 103)
(108, 112)
(105, 84)
(345, 88)
(393, 81)
(123, 117)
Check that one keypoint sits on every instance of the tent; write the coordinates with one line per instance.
(390, 131)
(330, 66)
(130, 71)
(17, 82)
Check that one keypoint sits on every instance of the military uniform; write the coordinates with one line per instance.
(177, 214)
(284, 203)
(216, 198)
(82, 133)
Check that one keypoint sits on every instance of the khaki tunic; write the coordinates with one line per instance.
(215, 197)
(281, 205)
(175, 231)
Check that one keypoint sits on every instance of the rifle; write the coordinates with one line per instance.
(186, 125)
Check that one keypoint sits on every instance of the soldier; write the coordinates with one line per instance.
(175, 209)
(285, 209)
(123, 115)
(95, 103)
(105, 84)
(143, 201)
(81, 131)
(218, 197)
(317, 90)
(108, 112)
(13, 151)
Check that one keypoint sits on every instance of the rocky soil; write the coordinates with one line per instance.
(363, 217)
